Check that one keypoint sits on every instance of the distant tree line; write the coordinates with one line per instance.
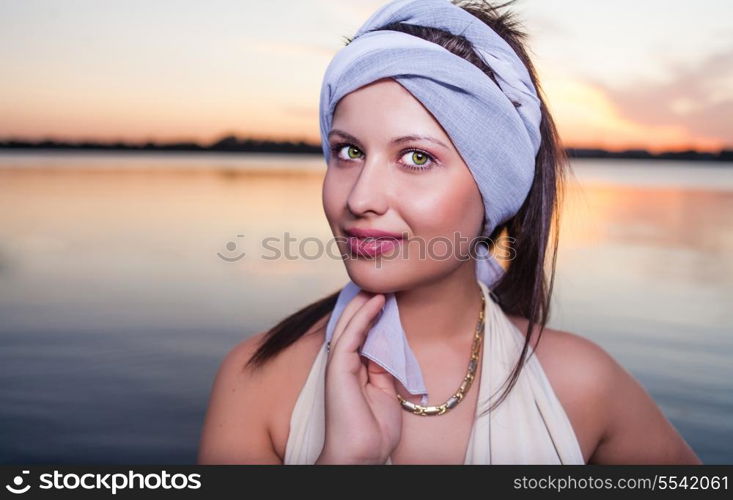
(690, 154)
(226, 144)
(232, 143)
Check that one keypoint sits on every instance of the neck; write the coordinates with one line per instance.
(442, 311)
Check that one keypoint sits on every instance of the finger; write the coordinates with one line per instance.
(381, 378)
(351, 308)
(355, 331)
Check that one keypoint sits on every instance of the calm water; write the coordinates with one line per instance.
(116, 305)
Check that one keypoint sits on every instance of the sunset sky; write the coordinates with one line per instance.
(652, 74)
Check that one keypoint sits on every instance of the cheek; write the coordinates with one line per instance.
(333, 197)
(452, 205)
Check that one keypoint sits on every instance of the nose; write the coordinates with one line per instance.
(370, 191)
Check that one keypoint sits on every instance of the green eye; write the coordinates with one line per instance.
(415, 159)
(419, 158)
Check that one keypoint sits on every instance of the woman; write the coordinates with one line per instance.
(434, 133)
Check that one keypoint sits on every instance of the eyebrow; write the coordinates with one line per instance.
(397, 140)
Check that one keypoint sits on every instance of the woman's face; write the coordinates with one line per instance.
(419, 187)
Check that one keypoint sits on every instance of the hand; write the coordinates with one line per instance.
(363, 415)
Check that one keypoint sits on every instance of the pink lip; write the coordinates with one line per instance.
(371, 233)
(381, 242)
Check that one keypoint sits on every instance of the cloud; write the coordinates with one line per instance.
(698, 97)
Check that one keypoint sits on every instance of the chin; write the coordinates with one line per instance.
(378, 276)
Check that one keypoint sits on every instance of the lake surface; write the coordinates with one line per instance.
(121, 290)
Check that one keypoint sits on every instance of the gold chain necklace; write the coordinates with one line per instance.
(458, 396)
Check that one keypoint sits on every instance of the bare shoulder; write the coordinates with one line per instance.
(244, 421)
(235, 426)
(615, 419)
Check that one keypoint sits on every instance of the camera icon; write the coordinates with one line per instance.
(18, 482)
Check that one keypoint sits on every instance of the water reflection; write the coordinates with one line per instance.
(116, 308)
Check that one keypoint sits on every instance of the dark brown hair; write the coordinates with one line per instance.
(525, 289)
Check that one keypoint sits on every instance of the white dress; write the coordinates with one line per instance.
(529, 427)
